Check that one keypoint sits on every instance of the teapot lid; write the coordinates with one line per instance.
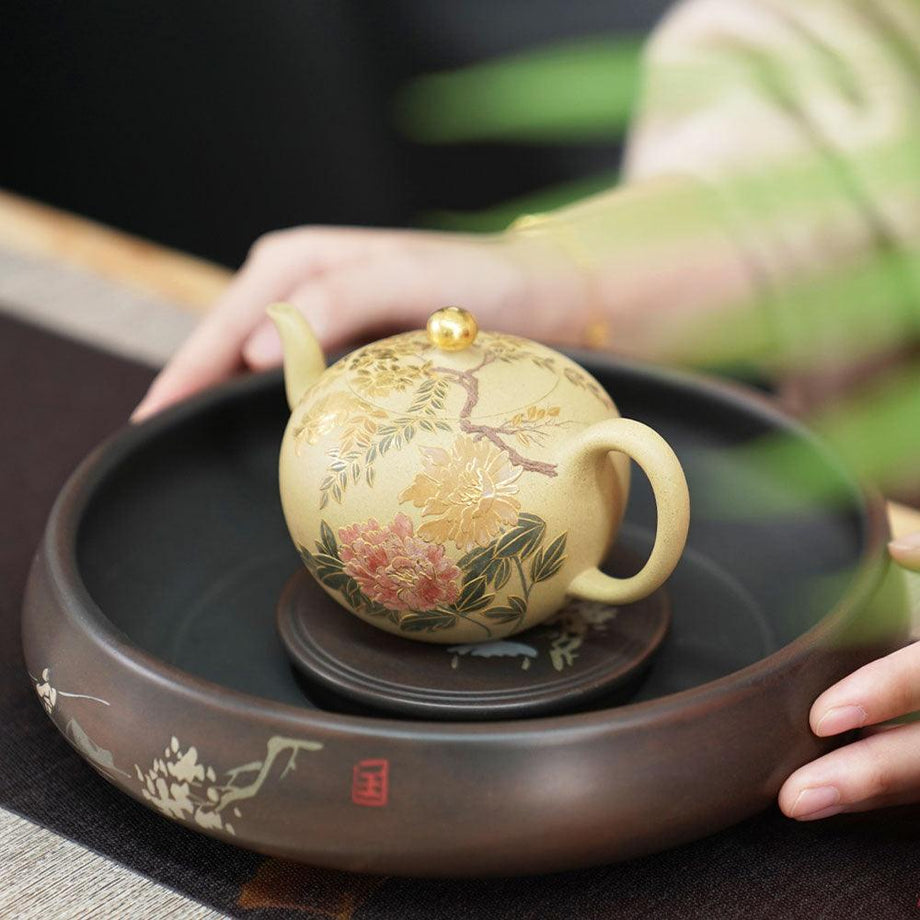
(453, 370)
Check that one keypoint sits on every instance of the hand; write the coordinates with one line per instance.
(882, 768)
(352, 282)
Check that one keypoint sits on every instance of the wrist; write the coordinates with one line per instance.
(661, 268)
(561, 279)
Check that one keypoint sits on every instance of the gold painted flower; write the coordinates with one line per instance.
(355, 420)
(398, 346)
(383, 376)
(505, 347)
(325, 415)
(469, 490)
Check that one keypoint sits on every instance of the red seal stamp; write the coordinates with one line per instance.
(370, 782)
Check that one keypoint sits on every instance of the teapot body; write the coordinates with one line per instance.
(443, 500)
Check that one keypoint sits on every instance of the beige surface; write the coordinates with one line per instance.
(30, 228)
(44, 875)
(85, 306)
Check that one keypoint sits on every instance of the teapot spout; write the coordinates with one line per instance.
(303, 357)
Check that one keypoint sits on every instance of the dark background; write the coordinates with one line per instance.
(202, 125)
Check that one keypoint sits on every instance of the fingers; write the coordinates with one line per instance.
(881, 690)
(883, 767)
(363, 297)
(262, 349)
(213, 351)
(348, 284)
(906, 551)
(343, 304)
(210, 354)
(880, 770)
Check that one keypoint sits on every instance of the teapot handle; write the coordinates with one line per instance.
(661, 466)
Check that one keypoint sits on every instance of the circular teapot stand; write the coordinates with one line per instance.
(585, 651)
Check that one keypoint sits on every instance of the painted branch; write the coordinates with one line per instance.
(471, 385)
(276, 746)
(485, 431)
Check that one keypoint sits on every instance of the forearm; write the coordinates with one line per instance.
(774, 166)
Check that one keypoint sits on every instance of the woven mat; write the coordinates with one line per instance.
(86, 850)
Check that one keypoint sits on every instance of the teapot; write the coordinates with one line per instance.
(457, 486)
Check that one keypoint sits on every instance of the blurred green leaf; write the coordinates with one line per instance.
(874, 436)
(859, 308)
(579, 91)
(877, 432)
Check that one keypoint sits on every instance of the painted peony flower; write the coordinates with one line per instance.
(470, 490)
(397, 569)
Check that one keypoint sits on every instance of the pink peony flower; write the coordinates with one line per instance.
(397, 569)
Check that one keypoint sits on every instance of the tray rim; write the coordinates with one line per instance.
(59, 547)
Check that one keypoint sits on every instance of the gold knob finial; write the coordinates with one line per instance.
(452, 328)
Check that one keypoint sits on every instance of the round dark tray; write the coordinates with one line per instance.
(584, 652)
(149, 632)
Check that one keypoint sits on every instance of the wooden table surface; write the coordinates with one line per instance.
(34, 229)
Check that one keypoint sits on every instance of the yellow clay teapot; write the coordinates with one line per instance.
(457, 486)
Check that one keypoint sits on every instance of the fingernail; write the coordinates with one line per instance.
(817, 802)
(841, 719)
(143, 408)
(910, 543)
